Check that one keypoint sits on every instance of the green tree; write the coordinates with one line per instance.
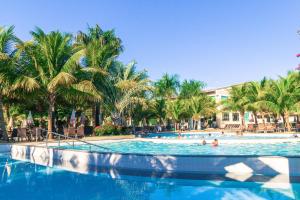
(167, 87)
(190, 88)
(51, 69)
(237, 101)
(175, 110)
(200, 106)
(100, 50)
(7, 73)
(126, 88)
(254, 94)
(282, 96)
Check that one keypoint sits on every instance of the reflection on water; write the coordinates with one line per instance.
(22, 180)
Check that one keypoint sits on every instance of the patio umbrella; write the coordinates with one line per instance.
(24, 123)
(30, 119)
(73, 118)
(10, 123)
(82, 119)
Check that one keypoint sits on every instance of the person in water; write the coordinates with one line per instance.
(203, 142)
(215, 143)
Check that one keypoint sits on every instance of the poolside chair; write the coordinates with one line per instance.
(66, 131)
(72, 132)
(251, 128)
(22, 133)
(280, 127)
(261, 128)
(37, 133)
(270, 128)
(80, 132)
(297, 128)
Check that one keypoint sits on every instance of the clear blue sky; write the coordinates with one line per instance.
(220, 42)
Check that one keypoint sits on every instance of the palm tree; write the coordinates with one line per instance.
(100, 49)
(51, 69)
(7, 40)
(200, 106)
(190, 88)
(237, 101)
(255, 93)
(125, 88)
(175, 110)
(167, 86)
(160, 110)
(282, 96)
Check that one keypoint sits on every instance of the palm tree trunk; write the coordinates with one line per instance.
(255, 118)
(286, 121)
(2, 122)
(6, 112)
(50, 116)
(243, 121)
(97, 113)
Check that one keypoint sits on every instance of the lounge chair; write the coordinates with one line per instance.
(37, 133)
(261, 128)
(72, 132)
(22, 133)
(280, 127)
(80, 132)
(297, 127)
(66, 131)
(270, 128)
(251, 128)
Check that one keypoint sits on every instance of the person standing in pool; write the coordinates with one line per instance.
(215, 143)
(204, 142)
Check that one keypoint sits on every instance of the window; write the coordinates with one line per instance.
(224, 97)
(235, 117)
(225, 117)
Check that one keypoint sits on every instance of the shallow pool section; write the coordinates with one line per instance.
(220, 136)
(24, 180)
(150, 147)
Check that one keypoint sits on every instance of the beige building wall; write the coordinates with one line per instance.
(224, 117)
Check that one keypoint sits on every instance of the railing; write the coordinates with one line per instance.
(60, 137)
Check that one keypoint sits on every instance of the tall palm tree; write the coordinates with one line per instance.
(100, 49)
(282, 96)
(7, 40)
(167, 86)
(255, 93)
(125, 88)
(200, 106)
(160, 110)
(51, 69)
(175, 110)
(237, 101)
(190, 88)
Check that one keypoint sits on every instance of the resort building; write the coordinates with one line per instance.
(224, 118)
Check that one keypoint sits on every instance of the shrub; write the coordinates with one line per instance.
(109, 129)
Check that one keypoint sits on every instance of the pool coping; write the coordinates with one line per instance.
(84, 161)
(149, 154)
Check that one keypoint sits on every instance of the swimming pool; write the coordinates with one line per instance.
(24, 180)
(219, 135)
(177, 148)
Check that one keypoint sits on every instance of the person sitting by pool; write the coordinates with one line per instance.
(204, 142)
(215, 143)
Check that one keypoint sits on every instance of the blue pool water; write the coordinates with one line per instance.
(218, 135)
(148, 147)
(24, 180)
